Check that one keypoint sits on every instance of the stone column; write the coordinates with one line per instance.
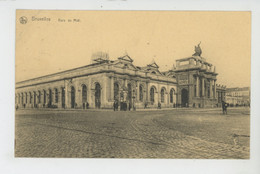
(42, 98)
(215, 90)
(210, 89)
(203, 87)
(168, 95)
(104, 92)
(147, 92)
(197, 86)
(66, 95)
(78, 95)
(137, 91)
(89, 93)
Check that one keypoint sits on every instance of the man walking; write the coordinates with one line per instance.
(224, 107)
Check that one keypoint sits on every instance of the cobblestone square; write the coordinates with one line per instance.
(169, 133)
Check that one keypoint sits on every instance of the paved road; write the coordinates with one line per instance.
(145, 134)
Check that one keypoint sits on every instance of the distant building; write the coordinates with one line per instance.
(238, 96)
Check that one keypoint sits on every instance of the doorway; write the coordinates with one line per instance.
(184, 98)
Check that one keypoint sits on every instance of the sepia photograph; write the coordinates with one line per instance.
(132, 84)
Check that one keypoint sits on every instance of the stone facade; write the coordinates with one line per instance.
(196, 79)
(98, 85)
(192, 83)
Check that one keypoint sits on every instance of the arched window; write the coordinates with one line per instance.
(162, 95)
(34, 98)
(26, 97)
(44, 96)
(56, 95)
(171, 95)
(152, 94)
(84, 93)
(50, 97)
(22, 98)
(141, 93)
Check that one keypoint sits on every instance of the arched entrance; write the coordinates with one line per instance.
(184, 98)
(97, 95)
(72, 97)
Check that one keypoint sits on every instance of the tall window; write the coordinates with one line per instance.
(26, 97)
(56, 95)
(141, 93)
(84, 93)
(152, 95)
(171, 95)
(162, 95)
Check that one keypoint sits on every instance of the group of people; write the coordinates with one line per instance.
(123, 106)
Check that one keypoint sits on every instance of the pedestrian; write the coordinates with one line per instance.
(224, 107)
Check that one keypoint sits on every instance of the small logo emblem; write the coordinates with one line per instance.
(23, 20)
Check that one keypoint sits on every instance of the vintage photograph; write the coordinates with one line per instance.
(132, 84)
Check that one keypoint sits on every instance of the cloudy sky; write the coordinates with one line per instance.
(44, 47)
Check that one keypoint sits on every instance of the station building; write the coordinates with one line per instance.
(98, 85)
(192, 83)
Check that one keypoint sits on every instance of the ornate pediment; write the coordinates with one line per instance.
(153, 64)
(126, 58)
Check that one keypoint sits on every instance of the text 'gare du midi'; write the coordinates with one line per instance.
(192, 83)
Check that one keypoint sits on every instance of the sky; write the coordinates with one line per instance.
(47, 46)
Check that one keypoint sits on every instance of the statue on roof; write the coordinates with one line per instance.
(198, 50)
